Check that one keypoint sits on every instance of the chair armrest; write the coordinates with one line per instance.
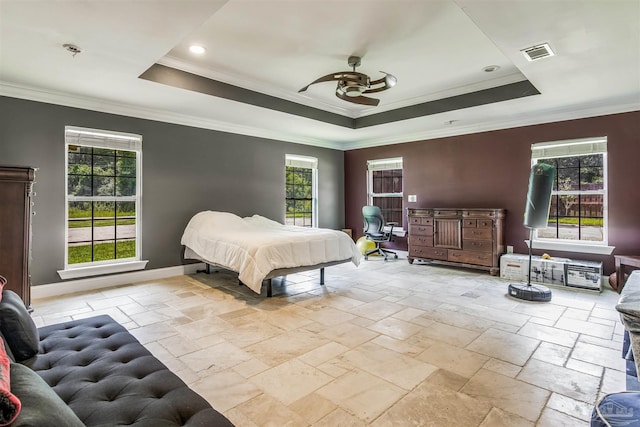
(391, 224)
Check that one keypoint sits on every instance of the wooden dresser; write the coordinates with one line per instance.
(15, 229)
(471, 238)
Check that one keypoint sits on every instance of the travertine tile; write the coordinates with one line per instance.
(449, 334)
(500, 418)
(549, 334)
(215, 358)
(584, 327)
(428, 405)
(506, 346)
(561, 380)
(225, 390)
(455, 359)
(597, 355)
(323, 353)
(505, 368)
(286, 346)
(348, 334)
(312, 407)
(362, 394)
(377, 310)
(395, 328)
(569, 406)
(340, 418)
(552, 353)
(553, 418)
(355, 351)
(398, 369)
(266, 411)
(400, 346)
(508, 394)
(291, 381)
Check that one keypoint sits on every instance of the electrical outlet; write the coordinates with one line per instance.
(509, 249)
(412, 198)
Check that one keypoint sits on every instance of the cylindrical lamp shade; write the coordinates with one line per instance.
(541, 181)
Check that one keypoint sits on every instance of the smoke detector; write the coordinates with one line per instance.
(540, 51)
(72, 48)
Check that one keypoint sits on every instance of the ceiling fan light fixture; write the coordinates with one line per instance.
(390, 80)
(351, 89)
(352, 84)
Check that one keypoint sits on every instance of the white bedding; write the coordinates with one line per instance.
(255, 246)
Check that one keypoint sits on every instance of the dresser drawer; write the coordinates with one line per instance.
(428, 253)
(418, 240)
(485, 223)
(469, 257)
(477, 245)
(446, 212)
(420, 220)
(420, 230)
(470, 223)
(477, 233)
(479, 214)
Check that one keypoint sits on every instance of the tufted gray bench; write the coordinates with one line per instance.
(102, 374)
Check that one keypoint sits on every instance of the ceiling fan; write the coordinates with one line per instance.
(351, 84)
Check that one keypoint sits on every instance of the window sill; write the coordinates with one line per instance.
(97, 270)
(572, 247)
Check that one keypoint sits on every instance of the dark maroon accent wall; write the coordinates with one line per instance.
(491, 170)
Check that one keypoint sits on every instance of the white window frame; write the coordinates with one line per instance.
(385, 164)
(571, 148)
(98, 138)
(305, 162)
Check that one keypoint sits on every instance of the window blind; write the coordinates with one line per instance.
(575, 147)
(384, 164)
(301, 161)
(102, 139)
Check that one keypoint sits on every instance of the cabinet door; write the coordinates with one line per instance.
(447, 233)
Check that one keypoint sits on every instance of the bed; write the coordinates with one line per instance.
(259, 249)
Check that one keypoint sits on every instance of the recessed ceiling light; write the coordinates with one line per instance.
(491, 68)
(197, 49)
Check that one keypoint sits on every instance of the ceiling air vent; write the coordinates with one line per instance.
(537, 52)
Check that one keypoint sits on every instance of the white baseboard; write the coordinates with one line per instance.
(80, 285)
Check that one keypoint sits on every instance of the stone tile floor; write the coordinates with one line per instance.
(384, 344)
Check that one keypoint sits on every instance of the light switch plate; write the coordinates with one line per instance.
(509, 249)
(412, 198)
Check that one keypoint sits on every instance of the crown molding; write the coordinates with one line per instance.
(457, 130)
(41, 95)
(95, 104)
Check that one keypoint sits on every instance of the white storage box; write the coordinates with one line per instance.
(554, 271)
(584, 274)
(545, 271)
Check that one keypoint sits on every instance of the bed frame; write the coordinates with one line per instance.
(280, 272)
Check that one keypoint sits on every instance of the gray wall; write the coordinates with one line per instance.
(185, 170)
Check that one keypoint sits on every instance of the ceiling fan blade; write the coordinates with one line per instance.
(388, 81)
(358, 99)
(349, 76)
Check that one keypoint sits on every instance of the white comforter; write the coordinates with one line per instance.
(255, 246)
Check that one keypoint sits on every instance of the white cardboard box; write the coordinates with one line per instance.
(584, 274)
(516, 267)
(555, 271)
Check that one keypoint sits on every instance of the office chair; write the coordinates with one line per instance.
(374, 230)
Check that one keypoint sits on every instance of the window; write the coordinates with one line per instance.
(578, 212)
(301, 200)
(103, 182)
(384, 184)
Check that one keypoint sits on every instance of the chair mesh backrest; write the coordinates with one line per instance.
(373, 219)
